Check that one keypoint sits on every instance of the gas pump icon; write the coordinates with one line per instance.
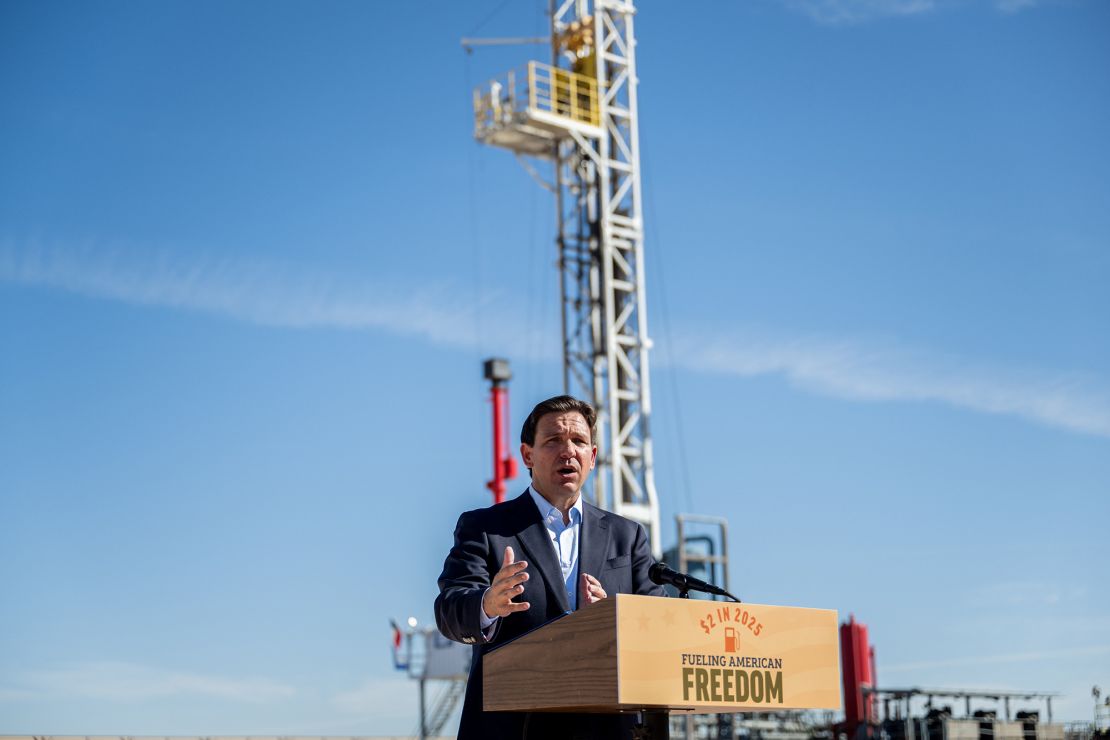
(732, 640)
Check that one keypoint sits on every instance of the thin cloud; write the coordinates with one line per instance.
(119, 681)
(388, 702)
(378, 697)
(13, 695)
(847, 12)
(273, 294)
(267, 294)
(857, 371)
(1027, 657)
(1011, 594)
(281, 296)
(852, 12)
(1015, 6)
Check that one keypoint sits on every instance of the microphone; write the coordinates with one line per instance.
(664, 576)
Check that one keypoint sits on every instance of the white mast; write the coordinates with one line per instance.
(581, 112)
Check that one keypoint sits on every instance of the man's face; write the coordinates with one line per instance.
(563, 454)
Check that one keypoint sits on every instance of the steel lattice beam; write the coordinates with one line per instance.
(600, 239)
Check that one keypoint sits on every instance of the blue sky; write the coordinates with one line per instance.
(251, 259)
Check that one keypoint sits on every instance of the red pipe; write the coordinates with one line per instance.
(504, 465)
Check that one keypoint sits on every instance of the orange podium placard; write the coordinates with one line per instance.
(720, 656)
(631, 652)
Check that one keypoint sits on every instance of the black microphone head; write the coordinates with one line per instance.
(664, 575)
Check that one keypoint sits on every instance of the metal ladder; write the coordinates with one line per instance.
(444, 706)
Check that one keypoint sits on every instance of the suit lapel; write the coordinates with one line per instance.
(593, 541)
(535, 544)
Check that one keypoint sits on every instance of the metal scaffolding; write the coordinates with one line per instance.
(581, 114)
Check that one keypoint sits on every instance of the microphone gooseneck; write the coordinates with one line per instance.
(665, 576)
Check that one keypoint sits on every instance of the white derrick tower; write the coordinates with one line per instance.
(579, 113)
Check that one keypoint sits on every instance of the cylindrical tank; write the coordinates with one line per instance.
(856, 659)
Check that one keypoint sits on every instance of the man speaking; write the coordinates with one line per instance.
(521, 563)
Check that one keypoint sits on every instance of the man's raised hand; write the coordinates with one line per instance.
(509, 582)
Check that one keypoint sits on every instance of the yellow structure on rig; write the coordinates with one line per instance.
(528, 109)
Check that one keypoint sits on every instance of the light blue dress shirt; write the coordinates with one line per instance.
(564, 538)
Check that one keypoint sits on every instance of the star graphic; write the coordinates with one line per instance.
(668, 618)
(645, 622)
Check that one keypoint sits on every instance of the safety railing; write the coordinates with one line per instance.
(563, 93)
(536, 88)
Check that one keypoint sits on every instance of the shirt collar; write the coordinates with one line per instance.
(547, 509)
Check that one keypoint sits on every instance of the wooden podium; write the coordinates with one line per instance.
(645, 653)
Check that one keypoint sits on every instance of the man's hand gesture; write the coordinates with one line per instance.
(591, 589)
(509, 582)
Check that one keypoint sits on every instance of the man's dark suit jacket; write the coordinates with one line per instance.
(611, 548)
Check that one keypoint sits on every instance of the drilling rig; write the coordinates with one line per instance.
(575, 120)
(579, 114)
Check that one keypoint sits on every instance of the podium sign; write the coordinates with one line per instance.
(716, 656)
(631, 652)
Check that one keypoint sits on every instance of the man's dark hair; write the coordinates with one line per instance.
(557, 405)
